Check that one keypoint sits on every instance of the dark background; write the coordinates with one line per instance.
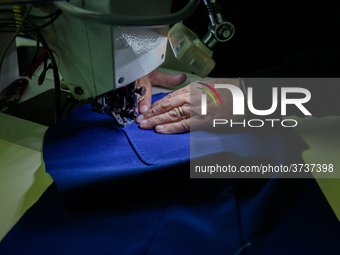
(272, 33)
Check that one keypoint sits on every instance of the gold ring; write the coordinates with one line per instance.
(181, 112)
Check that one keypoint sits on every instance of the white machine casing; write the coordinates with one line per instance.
(189, 49)
(98, 58)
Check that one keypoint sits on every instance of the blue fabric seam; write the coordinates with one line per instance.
(136, 149)
(139, 152)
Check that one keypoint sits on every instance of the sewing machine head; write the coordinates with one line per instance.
(106, 46)
(104, 61)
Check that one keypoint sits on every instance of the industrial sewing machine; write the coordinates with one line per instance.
(104, 47)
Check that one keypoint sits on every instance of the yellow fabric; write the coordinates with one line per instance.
(22, 181)
(323, 138)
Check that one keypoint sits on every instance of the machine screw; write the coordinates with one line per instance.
(79, 90)
(120, 80)
(140, 90)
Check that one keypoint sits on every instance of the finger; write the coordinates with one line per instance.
(145, 104)
(167, 80)
(165, 104)
(182, 126)
(165, 118)
(183, 92)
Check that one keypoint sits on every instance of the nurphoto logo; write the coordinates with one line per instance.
(239, 104)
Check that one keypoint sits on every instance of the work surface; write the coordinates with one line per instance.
(23, 178)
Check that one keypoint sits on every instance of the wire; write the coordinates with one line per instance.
(46, 16)
(37, 47)
(33, 16)
(53, 31)
(57, 90)
(34, 32)
(124, 20)
(58, 13)
(14, 36)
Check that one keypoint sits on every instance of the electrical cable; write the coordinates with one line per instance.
(124, 20)
(33, 16)
(57, 90)
(14, 36)
(58, 13)
(46, 16)
(37, 47)
(34, 32)
(53, 31)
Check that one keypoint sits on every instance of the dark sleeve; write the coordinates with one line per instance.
(322, 67)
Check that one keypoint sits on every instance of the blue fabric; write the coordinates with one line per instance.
(122, 198)
(88, 154)
(275, 216)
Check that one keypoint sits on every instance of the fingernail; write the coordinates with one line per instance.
(140, 118)
(144, 108)
(159, 127)
(180, 78)
(144, 122)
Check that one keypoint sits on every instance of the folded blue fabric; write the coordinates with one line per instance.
(130, 193)
(253, 217)
(88, 155)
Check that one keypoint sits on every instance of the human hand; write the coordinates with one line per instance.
(165, 116)
(157, 78)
